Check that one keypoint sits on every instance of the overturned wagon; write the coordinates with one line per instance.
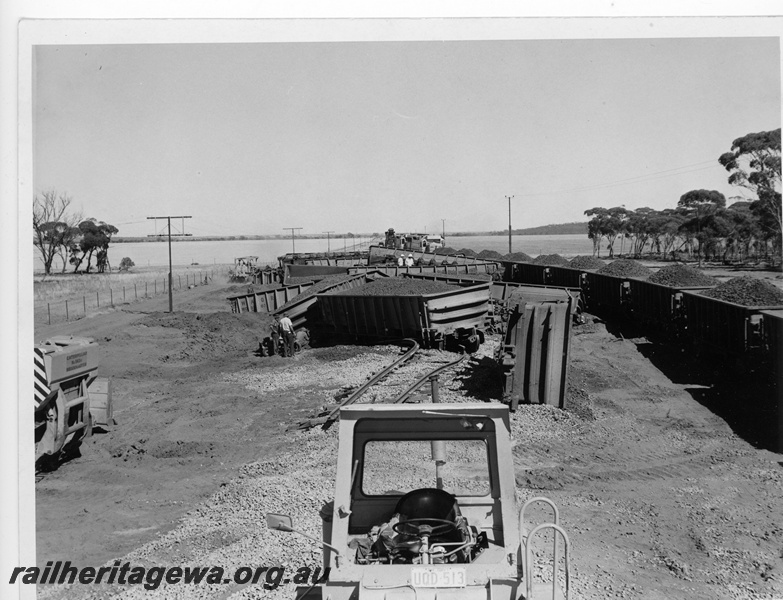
(453, 318)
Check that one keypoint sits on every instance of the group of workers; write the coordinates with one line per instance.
(283, 332)
(402, 261)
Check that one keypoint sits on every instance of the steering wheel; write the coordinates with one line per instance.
(422, 527)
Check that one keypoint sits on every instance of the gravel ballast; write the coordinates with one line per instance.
(747, 291)
(682, 276)
(625, 268)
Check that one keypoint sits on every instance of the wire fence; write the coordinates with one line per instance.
(78, 307)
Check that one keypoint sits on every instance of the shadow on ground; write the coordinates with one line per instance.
(481, 379)
(746, 399)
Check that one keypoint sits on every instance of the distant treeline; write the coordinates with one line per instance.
(228, 238)
(559, 229)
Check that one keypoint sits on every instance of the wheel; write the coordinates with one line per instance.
(422, 527)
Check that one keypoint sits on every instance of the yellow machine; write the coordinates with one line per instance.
(69, 397)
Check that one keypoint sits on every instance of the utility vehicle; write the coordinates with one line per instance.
(425, 508)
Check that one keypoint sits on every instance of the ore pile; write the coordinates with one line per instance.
(399, 286)
(445, 250)
(551, 260)
(489, 255)
(518, 257)
(586, 262)
(467, 252)
(682, 276)
(317, 287)
(747, 291)
(625, 268)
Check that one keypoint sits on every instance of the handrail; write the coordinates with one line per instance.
(528, 573)
(522, 528)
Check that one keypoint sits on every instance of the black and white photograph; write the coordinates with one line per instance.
(395, 308)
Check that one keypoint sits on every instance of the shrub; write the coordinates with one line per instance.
(126, 263)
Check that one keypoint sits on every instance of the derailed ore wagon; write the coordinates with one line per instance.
(449, 319)
(425, 509)
(534, 356)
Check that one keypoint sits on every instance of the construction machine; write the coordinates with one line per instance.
(425, 508)
(70, 399)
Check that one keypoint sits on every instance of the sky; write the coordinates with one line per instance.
(252, 138)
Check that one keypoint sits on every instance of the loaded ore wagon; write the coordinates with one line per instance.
(658, 305)
(735, 319)
(436, 314)
(658, 302)
(303, 309)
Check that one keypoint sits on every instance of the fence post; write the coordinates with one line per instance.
(84, 304)
(145, 289)
(111, 297)
(66, 310)
(123, 293)
(155, 284)
(135, 291)
(49, 312)
(98, 298)
(179, 278)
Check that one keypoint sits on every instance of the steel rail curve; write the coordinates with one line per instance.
(421, 381)
(331, 416)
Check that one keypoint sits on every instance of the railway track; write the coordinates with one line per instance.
(390, 385)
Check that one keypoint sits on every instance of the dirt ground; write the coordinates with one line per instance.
(658, 466)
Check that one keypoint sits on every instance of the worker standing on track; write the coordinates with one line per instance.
(287, 330)
(401, 260)
(275, 336)
(409, 260)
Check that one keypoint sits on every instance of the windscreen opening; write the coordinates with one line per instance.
(460, 467)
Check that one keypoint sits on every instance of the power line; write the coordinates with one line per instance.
(631, 180)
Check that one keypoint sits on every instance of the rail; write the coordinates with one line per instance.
(424, 378)
(327, 418)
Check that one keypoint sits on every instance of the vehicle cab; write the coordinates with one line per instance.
(424, 504)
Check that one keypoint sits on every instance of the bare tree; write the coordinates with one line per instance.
(53, 225)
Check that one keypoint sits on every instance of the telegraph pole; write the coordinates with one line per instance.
(443, 235)
(509, 223)
(171, 277)
(293, 243)
(328, 245)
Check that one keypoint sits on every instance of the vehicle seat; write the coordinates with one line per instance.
(428, 503)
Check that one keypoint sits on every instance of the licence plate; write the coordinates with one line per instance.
(434, 577)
